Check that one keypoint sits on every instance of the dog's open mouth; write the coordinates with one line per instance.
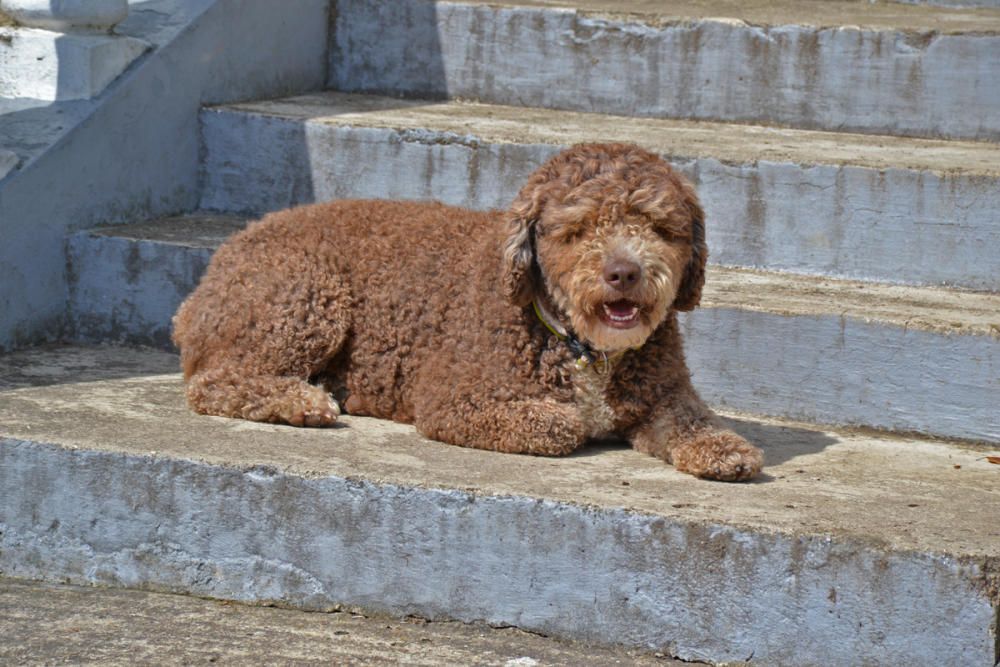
(621, 314)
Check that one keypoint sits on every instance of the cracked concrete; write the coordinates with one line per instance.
(851, 545)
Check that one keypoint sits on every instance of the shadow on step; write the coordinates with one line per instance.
(48, 365)
(780, 443)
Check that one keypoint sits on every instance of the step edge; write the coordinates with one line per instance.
(769, 144)
(173, 558)
(843, 14)
(912, 307)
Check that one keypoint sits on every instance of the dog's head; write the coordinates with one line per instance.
(613, 236)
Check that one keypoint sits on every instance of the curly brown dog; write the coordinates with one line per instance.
(526, 331)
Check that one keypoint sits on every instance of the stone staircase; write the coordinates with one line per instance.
(54, 58)
(848, 157)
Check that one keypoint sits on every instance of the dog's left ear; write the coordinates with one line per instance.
(518, 249)
(689, 293)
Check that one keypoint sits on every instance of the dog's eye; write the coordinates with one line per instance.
(666, 233)
(562, 233)
(670, 230)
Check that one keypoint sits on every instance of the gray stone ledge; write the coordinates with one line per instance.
(849, 206)
(851, 546)
(882, 68)
(59, 624)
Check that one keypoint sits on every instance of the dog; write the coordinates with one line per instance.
(527, 331)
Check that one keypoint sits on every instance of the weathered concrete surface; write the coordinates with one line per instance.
(929, 309)
(53, 66)
(883, 68)
(901, 210)
(882, 15)
(68, 15)
(29, 127)
(829, 351)
(953, 3)
(8, 162)
(135, 154)
(125, 283)
(846, 352)
(834, 369)
(48, 624)
(851, 546)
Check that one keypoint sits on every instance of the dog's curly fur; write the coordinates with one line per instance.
(422, 313)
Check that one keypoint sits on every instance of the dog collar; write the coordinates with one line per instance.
(585, 355)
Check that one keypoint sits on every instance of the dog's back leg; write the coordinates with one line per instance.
(228, 392)
(252, 336)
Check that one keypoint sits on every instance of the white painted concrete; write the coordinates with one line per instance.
(912, 81)
(706, 593)
(920, 224)
(53, 66)
(842, 370)
(126, 286)
(136, 154)
(8, 162)
(67, 15)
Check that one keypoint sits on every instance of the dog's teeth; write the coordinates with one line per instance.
(621, 318)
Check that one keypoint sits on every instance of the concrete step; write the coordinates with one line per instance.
(55, 66)
(854, 206)
(59, 624)
(126, 282)
(28, 127)
(828, 351)
(852, 548)
(837, 65)
(952, 3)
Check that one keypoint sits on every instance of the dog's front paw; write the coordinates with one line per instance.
(314, 407)
(717, 454)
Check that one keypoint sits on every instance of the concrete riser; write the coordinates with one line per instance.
(886, 82)
(834, 370)
(820, 368)
(700, 592)
(126, 291)
(893, 225)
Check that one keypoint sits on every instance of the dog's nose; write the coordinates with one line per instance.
(622, 274)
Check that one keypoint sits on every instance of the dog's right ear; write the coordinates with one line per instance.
(518, 248)
(689, 293)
